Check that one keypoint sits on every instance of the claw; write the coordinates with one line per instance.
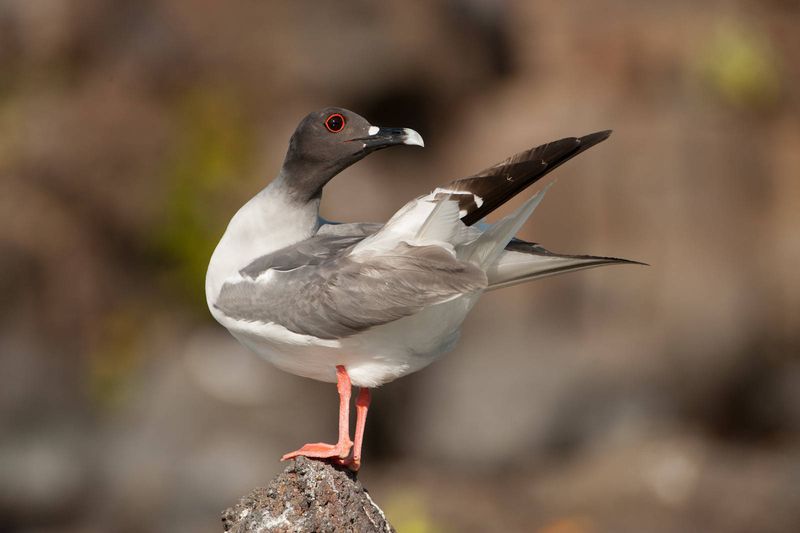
(321, 450)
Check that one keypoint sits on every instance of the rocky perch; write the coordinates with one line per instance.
(308, 496)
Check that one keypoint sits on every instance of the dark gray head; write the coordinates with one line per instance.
(328, 141)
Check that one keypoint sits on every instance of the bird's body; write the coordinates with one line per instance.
(372, 356)
(369, 303)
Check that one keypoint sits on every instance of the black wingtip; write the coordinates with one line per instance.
(590, 140)
(622, 261)
(608, 260)
(499, 183)
(518, 245)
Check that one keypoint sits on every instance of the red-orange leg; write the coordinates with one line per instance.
(362, 406)
(341, 449)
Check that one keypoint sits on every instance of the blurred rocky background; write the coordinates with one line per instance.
(625, 399)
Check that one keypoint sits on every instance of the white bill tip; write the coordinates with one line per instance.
(413, 138)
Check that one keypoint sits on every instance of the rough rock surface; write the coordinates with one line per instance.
(307, 496)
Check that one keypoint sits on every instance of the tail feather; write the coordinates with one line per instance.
(487, 248)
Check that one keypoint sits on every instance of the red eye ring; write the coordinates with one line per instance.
(335, 123)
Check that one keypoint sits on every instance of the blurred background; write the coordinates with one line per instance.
(624, 399)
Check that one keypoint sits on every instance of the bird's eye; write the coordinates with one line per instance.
(335, 123)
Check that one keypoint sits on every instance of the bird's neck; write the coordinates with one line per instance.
(303, 180)
(271, 220)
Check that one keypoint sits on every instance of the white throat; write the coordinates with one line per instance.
(271, 220)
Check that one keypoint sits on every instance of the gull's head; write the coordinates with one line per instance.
(328, 141)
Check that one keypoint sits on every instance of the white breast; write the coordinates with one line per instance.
(268, 222)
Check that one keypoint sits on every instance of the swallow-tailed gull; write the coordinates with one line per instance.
(364, 303)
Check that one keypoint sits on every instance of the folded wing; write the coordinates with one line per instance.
(330, 293)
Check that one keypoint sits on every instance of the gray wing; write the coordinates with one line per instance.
(315, 288)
